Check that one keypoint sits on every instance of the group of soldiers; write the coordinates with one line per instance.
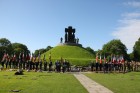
(28, 62)
(62, 66)
(117, 66)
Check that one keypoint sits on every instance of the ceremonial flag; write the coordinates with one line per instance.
(97, 57)
(39, 56)
(104, 59)
(118, 58)
(31, 58)
(114, 59)
(7, 57)
(34, 58)
(28, 56)
(4, 56)
(61, 60)
(44, 57)
(20, 56)
(23, 57)
(111, 58)
(122, 59)
(14, 56)
(50, 56)
(100, 59)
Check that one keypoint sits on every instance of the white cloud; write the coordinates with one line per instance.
(129, 30)
(134, 15)
(133, 4)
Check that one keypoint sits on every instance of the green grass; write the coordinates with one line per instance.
(36, 82)
(119, 83)
(76, 55)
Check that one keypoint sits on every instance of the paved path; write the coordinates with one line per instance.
(90, 85)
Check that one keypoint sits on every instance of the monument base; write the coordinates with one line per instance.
(70, 44)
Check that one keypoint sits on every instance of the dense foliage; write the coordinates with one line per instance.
(18, 47)
(115, 47)
(42, 50)
(136, 51)
(7, 47)
(90, 50)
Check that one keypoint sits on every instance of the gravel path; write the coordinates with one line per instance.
(90, 85)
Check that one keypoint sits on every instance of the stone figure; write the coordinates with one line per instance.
(69, 34)
(61, 40)
(66, 35)
(77, 40)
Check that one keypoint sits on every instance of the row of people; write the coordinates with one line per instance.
(38, 65)
(118, 66)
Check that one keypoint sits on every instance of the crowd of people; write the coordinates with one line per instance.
(28, 62)
(107, 67)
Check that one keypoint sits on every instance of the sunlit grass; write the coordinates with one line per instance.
(119, 83)
(37, 82)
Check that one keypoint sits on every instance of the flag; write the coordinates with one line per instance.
(61, 60)
(50, 56)
(118, 59)
(44, 57)
(122, 59)
(100, 59)
(32, 58)
(23, 57)
(111, 58)
(39, 57)
(7, 57)
(114, 59)
(104, 59)
(97, 57)
(4, 56)
(20, 56)
(14, 57)
(27, 56)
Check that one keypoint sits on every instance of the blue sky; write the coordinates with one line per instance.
(39, 23)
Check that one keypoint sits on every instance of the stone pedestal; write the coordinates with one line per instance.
(70, 44)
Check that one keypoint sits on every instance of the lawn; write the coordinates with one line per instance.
(118, 83)
(40, 82)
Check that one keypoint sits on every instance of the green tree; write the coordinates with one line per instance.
(18, 47)
(42, 50)
(48, 48)
(90, 50)
(136, 50)
(131, 56)
(5, 46)
(36, 53)
(115, 47)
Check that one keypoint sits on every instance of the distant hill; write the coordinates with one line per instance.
(74, 54)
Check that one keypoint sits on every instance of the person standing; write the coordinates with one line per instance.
(45, 65)
(50, 66)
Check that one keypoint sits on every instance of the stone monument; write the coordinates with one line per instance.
(69, 38)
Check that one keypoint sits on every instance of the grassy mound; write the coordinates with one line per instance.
(74, 54)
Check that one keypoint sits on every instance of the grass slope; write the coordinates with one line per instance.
(119, 83)
(34, 82)
(76, 55)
